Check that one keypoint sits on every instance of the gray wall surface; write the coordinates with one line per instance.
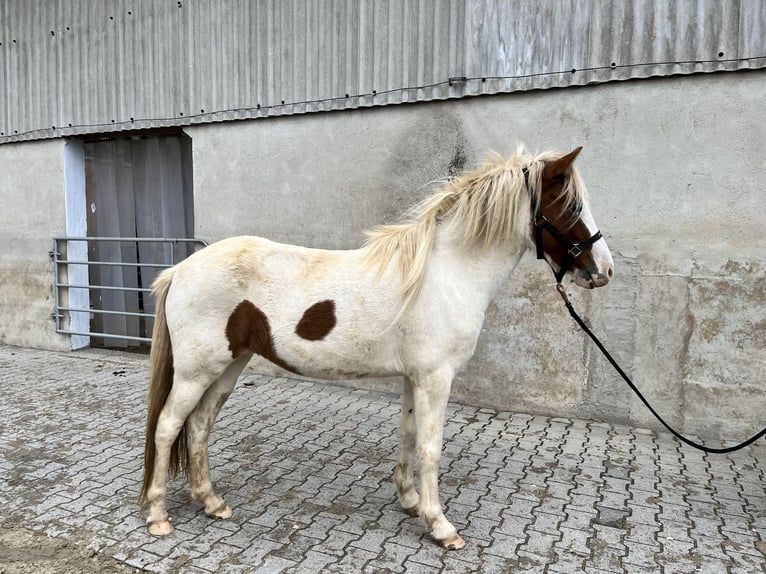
(675, 170)
(32, 211)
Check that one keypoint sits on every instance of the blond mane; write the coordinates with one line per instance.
(486, 207)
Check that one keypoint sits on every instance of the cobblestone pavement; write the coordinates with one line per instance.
(307, 466)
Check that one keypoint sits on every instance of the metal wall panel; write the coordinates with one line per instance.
(70, 67)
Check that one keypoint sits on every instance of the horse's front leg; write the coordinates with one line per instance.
(430, 394)
(199, 425)
(404, 478)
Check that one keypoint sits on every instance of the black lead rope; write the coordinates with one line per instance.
(574, 250)
(679, 436)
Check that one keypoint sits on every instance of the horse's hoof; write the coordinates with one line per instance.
(223, 512)
(160, 528)
(412, 510)
(454, 542)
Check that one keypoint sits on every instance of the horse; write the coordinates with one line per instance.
(410, 302)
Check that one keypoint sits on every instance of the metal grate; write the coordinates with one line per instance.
(77, 299)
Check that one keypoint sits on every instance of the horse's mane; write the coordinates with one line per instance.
(486, 207)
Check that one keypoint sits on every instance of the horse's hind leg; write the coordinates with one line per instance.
(183, 398)
(404, 479)
(430, 394)
(199, 425)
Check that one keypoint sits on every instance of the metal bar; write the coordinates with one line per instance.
(113, 264)
(107, 312)
(107, 288)
(56, 296)
(106, 336)
(135, 239)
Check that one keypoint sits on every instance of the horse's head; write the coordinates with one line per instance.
(563, 228)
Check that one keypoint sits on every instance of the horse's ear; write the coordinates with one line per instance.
(561, 165)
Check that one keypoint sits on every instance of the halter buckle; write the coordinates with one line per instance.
(575, 251)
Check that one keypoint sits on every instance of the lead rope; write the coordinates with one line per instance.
(679, 436)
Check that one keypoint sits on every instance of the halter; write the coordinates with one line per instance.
(574, 250)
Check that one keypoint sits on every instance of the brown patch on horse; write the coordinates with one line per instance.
(566, 221)
(317, 321)
(576, 232)
(248, 329)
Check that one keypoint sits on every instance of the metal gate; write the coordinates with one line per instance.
(79, 302)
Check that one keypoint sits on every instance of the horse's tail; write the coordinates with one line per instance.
(160, 383)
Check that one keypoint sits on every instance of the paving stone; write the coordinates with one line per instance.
(642, 555)
(574, 541)
(307, 467)
(314, 562)
(540, 543)
(633, 569)
(412, 567)
(565, 564)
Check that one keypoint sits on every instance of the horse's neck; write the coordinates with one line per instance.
(477, 273)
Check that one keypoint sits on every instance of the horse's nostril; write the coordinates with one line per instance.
(609, 273)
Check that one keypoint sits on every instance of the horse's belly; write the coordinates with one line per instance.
(344, 372)
(327, 361)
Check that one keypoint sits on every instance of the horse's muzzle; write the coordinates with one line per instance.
(592, 280)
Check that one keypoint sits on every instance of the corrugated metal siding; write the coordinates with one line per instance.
(96, 66)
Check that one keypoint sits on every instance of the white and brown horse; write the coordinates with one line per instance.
(410, 302)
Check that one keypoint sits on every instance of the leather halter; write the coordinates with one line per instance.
(541, 223)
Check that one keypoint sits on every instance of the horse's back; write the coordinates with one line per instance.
(313, 311)
(248, 265)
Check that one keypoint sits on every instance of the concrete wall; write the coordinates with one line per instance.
(32, 211)
(675, 168)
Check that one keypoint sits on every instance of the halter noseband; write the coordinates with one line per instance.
(574, 250)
